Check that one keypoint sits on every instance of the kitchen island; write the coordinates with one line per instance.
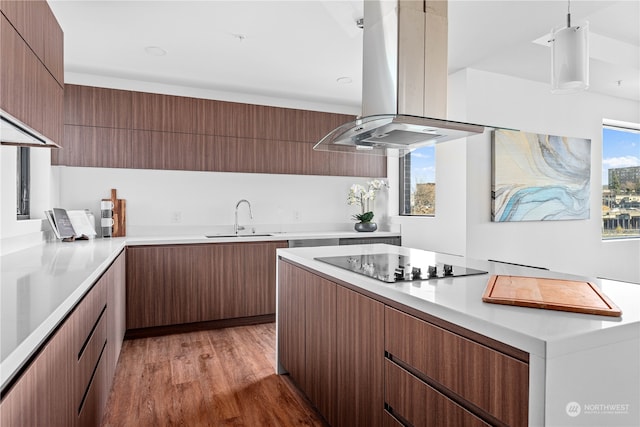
(437, 341)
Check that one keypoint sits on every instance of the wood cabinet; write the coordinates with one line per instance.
(361, 362)
(115, 128)
(41, 396)
(489, 383)
(291, 316)
(421, 405)
(31, 70)
(319, 375)
(330, 340)
(97, 107)
(359, 359)
(68, 382)
(116, 314)
(177, 284)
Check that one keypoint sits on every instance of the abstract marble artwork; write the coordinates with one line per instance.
(539, 177)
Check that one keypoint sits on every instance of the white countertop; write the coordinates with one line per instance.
(39, 286)
(545, 333)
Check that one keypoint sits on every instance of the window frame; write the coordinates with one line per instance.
(404, 187)
(624, 127)
(23, 183)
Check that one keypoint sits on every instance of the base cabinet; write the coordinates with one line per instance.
(178, 284)
(489, 383)
(330, 340)
(361, 362)
(68, 382)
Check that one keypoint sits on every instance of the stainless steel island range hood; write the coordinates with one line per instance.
(404, 82)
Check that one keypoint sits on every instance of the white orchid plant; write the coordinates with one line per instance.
(364, 197)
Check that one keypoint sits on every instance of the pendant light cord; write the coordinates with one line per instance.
(568, 13)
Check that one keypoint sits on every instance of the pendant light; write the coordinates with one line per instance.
(570, 57)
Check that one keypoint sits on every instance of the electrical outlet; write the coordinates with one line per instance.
(296, 215)
(176, 217)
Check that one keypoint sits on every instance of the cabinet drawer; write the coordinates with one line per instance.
(492, 381)
(87, 314)
(421, 405)
(388, 420)
(89, 357)
(92, 406)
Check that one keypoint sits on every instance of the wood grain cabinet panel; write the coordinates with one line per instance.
(421, 405)
(359, 359)
(99, 107)
(52, 103)
(94, 147)
(29, 91)
(12, 79)
(166, 150)
(291, 318)
(53, 46)
(166, 113)
(319, 379)
(332, 344)
(491, 380)
(179, 133)
(116, 314)
(41, 397)
(171, 285)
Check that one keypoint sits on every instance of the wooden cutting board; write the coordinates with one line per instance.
(551, 294)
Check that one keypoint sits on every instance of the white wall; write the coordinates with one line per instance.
(205, 201)
(568, 246)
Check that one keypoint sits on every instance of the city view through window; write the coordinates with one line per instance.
(418, 195)
(620, 183)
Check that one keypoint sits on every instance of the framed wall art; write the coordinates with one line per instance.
(538, 177)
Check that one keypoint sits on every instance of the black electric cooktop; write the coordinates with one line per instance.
(392, 268)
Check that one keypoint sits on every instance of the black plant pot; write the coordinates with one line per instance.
(366, 226)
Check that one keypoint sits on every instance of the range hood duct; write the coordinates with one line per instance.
(14, 132)
(404, 82)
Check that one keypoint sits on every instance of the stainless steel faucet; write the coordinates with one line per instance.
(237, 227)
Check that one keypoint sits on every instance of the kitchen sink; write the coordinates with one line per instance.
(213, 236)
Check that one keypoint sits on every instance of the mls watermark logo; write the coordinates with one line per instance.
(573, 409)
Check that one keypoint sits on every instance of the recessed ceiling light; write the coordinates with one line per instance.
(239, 37)
(155, 51)
(344, 80)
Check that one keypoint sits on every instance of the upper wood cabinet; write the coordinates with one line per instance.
(38, 27)
(31, 71)
(180, 133)
(98, 107)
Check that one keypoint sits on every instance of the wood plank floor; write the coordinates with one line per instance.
(222, 377)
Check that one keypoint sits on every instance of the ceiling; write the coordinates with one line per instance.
(299, 50)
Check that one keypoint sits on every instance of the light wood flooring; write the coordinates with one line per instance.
(222, 377)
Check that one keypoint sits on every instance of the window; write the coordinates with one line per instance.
(418, 182)
(23, 180)
(620, 180)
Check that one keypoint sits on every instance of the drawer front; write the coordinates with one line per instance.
(89, 357)
(87, 313)
(92, 407)
(388, 420)
(421, 405)
(493, 381)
